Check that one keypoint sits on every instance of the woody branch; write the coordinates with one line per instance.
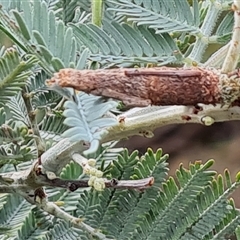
(143, 121)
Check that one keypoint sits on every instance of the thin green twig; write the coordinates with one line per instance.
(33, 121)
(97, 10)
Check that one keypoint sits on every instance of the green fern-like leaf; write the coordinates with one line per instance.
(191, 183)
(13, 213)
(95, 201)
(226, 25)
(203, 213)
(81, 11)
(53, 53)
(16, 146)
(30, 229)
(74, 171)
(9, 134)
(13, 74)
(70, 199)
(104, 202)
(65, 231)
(164, 16)
(42, 96)
(123, 45)
(85, 117)
(224, 30)
(137, 207)
(11, 4)
(217, 214)
(113, 208)
(17, 153)
(52, 127)
(3, 199)
(18, 110)
(151, 164)
(69, 11)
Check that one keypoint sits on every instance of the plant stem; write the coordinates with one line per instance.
(55, 158)
(97, 10)
(33, 121)
(54, 210)
(208, 24)
(20, 182)
(143, 121)
(232, 57)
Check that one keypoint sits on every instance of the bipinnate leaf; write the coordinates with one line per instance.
(86, 119)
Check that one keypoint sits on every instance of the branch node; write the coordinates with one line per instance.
(207, 120)
(51, 175)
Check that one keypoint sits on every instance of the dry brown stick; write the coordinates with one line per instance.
(12, 182)
(156, 86)
(73, 185)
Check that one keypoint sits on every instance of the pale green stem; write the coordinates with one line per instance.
(33, 121)
(53, 209)
(232, 57)
(97, 10)
(142, 121)
(206, 30)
